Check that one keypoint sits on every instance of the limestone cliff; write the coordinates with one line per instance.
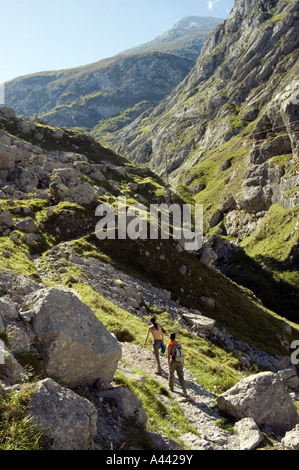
(237, 110)
(104, 96)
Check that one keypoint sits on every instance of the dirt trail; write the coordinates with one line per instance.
(198, 410)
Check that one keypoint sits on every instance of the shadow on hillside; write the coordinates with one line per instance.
(259, 276)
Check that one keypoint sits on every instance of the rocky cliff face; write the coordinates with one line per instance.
(85, 96)
(244, 64)
(228, 134)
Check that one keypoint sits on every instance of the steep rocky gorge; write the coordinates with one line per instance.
(74, 311)
(227, 136)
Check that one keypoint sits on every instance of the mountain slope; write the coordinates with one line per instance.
(84, 96)
(227, 137)
(104, 96)
(245, 62)
(52, 181)
(186, 38)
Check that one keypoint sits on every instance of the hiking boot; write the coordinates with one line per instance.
(158, 373)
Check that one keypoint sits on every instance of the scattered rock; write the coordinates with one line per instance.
(290, 377)
(6, 221)
(27, 225)
(248, 433)
(68, 421)
(291, 439)
(263, 397)
(18, 340)
(207, 300)
(8, 113)
(11, 372)
(199, 323)
(183, 269)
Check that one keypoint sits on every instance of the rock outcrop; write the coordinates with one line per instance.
(262, 397)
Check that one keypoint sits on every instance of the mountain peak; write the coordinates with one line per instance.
(194, 21)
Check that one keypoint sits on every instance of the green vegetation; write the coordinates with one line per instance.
(165, 416)
(17, 431)
(236, 306)
(218, 184)
(108, 126)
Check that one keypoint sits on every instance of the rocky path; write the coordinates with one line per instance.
(198, 410)
(127, 292)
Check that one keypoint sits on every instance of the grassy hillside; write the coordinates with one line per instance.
(69, 227)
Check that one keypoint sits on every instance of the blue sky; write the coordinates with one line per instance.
(40, 35)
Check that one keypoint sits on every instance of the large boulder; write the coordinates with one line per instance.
(9, 155)
(6, 221)
(67, 421)
(199, 322)
(82, 194)
(76, 347)
(127, 404)
(8, 113)
(27, 225)
(263, 397)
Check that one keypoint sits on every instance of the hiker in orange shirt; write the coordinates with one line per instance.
(174, 365)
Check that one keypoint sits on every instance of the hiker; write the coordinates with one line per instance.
(174, 365)
(157, 333)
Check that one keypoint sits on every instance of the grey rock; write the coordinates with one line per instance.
(183, 269)
(76, 347)
(82, 194)
(27, 225)
(291, 439)
(263, 397)
(127, 404)
(18, 340)
(6, 221)
(208, 300)
(11, 372)
(249, 434)
(290, 377)
(7, 112)
(196, 443)
(8, 312)
(67, 421)
(199, 322)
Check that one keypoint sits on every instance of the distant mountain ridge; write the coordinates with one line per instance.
(186, 37)
(103, 97)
